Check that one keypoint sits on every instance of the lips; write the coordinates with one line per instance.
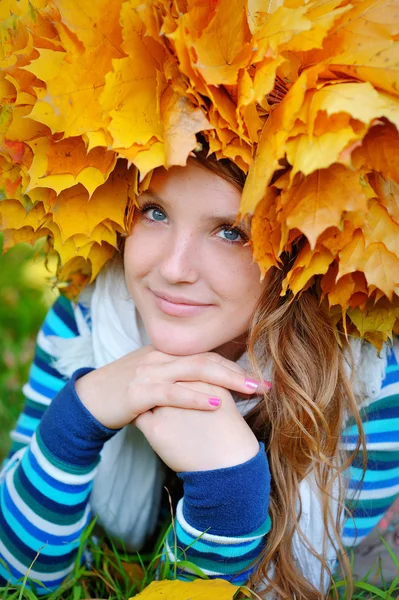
(177, 306)
(178, 299)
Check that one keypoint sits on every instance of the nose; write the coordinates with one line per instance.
(180, 259)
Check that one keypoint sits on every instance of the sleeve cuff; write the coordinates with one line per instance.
(231, 501)
(69, 431)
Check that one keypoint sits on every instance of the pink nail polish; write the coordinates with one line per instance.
(214, 401)
(252, 384)
(267, 384)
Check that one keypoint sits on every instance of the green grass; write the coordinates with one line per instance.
(23, 305)
(115, 574)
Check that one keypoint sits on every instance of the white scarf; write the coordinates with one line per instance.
(128, 483)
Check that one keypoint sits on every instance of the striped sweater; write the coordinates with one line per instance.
(44, 500)
(380, 486)
(46, 482)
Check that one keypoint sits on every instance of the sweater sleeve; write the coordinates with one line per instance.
(222, 521)
(370, 494)
(46, 481)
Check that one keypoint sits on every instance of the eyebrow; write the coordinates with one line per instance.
(212, 219)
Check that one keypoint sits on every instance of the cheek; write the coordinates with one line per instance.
(138, 258)
(238, 282)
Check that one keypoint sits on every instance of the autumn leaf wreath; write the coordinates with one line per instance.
(303, 95)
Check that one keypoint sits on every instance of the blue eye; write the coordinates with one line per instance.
(157, 214)
(153, 213)
(231, 235)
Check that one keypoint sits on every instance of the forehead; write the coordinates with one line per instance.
(196, 186)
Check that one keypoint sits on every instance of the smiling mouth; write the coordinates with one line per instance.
(176, 307)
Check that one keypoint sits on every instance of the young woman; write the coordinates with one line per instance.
(180, 355)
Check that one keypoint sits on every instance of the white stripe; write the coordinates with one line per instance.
(373, 494)
(172, 558)
(55, 472)
(44, 526)
(82, 324)
(19, 437)
(209, 537)
(349, 540)
(45, 343)
(31, 394)
(373, 446)
(43, 577)
(388, 390)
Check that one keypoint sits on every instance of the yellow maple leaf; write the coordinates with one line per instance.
(308, 264)
(319, 201)
(223, 46)
(380, 267)
(181, 590)
(61, 165)
(108, 202)
(362, 44)
(379, 151)
(375, 323)
(378, 226)
(387, 191)
(300, 94)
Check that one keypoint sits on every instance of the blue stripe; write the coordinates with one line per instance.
(41, 389)
(46, 538)
(54, 483)
(377, 475)
(363, 512)
(391, 357)
(355, 532)
(34, 413)
(46, 367)
(375, 465)
(240, 579)
(17, 577)
(47, 330)
(375, 426)
(192, 553)
(381, 414)
(49, 504)
(30, 553)
(373, 438)
(55, 324)
(65, 317)
(27, 423)
(363, 523)
(204, 546)
(53, 383)
(12, 576)
(34, 543)
(50, 492)
(22, 431)
(375, 485)
(390, 378)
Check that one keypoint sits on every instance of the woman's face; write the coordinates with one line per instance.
(186, 266)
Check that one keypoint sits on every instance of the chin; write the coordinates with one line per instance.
(179, 345)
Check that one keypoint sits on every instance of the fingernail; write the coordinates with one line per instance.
(267, 384)
(214, 401)
(252, 384)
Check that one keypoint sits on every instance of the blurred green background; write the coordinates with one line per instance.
(25, 295)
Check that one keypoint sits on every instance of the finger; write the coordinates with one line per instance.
(143, 399)
(222, 360)
(264, 385)
(201, 368)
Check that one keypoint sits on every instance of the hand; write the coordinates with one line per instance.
(193, 440)
(120, 391)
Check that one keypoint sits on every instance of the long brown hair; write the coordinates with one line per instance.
(300, 420)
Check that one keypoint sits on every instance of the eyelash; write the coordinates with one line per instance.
(146, 206)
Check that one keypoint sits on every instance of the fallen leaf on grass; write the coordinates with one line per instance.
(211, 589)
